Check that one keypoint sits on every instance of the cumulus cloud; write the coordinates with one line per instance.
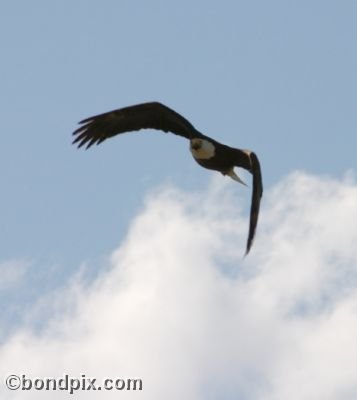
(181, 308)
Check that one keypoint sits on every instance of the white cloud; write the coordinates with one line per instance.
(183, 310)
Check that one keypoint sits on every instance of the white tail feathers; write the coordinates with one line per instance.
(235, 177)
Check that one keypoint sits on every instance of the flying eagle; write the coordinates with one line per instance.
(207, 152)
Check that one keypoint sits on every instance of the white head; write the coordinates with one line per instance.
(202, 149)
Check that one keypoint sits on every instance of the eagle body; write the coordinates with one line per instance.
(207, 152)
(217, 156)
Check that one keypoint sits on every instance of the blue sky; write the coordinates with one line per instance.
(277, 77)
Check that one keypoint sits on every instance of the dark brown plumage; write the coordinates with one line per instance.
(206, 151)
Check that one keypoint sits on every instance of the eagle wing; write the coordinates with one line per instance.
(249, 161)
(257, 193)
(153, 115)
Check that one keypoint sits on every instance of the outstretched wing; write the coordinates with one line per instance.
(257, 193)
(154, 115)
(248, 160)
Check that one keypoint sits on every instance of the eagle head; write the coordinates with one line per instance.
(202, 148)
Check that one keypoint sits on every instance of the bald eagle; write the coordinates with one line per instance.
(206, 152)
